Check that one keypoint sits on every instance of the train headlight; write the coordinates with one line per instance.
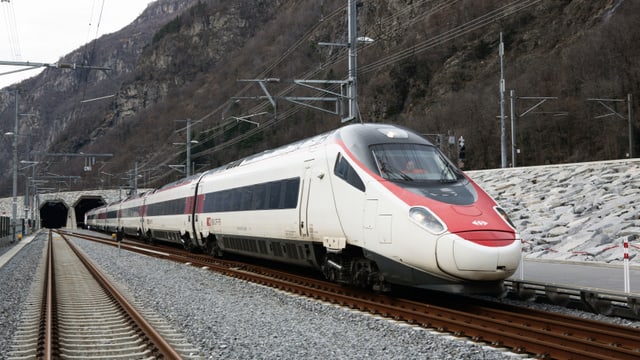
(504, 216)
(427, 220)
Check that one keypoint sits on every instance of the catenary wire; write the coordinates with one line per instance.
(9, 16)
(399, 55)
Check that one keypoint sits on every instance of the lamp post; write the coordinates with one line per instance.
(27, 201)
(14, 203)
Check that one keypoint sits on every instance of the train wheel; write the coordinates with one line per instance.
(331, 268)
(212, 247)
(188, 244)
(149, 238)
(330, 274)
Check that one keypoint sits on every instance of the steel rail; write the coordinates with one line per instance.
(48, 320)
(165, 349)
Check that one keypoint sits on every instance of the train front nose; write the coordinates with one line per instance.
(479, 255)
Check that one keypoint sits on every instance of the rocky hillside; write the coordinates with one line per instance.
(433, 66)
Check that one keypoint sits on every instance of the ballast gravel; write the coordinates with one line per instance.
(232, 319)
(15, 282)
(228, 318)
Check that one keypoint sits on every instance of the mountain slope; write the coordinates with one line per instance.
(434, 66)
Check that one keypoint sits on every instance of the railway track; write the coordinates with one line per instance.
(76, 313)
(519, 329)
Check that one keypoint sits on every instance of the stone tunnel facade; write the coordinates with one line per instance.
(61, 209)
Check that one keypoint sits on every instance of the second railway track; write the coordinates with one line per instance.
(79, 314)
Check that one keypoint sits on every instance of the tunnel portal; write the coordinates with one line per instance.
(53, 214)
(84, 204)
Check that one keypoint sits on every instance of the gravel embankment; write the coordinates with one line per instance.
(15, 282)
(575, 212)
(231, 319)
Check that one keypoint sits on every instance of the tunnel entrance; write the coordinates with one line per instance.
(84, 204)
(53, 214)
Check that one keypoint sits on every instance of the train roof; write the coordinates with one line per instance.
(308, 142)
(353, 135)
(179, 182)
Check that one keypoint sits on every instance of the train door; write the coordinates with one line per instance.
(349, 199)
(318, 216)
(305, 193)
(143, 218)
(199, 224)
(376, 226)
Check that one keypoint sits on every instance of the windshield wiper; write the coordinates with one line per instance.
(448, 173)
(395, 173)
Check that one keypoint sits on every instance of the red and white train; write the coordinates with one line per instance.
(367, 204)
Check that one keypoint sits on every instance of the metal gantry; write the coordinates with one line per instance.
(604, 103)
(30, 65)
(348, 87)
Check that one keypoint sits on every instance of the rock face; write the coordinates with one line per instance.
(580, 212)
(432, 68)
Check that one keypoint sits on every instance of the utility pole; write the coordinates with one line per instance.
(188, 167)
(352, 86)
(512, 97)
(630, 115)
(503, 128)
(133, 180)
(28, 204)
(14, 204)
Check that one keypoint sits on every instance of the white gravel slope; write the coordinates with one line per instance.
(576, 212)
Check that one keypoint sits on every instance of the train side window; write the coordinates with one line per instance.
(258, 197)
(347, 173)
(247, 195)
(281, 194)
(236, 196)
(274, 195)
(227, 198)
(291, 193)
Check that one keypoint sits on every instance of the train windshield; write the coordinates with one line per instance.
(414, 162)
(423, 170)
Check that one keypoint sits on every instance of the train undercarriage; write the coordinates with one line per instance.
(348, 266)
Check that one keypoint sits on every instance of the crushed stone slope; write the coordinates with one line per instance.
(576, 212)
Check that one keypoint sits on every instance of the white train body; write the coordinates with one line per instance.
(339, 202)
(167, 213)
(130, 218)
(111, 220)
(96, 218)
